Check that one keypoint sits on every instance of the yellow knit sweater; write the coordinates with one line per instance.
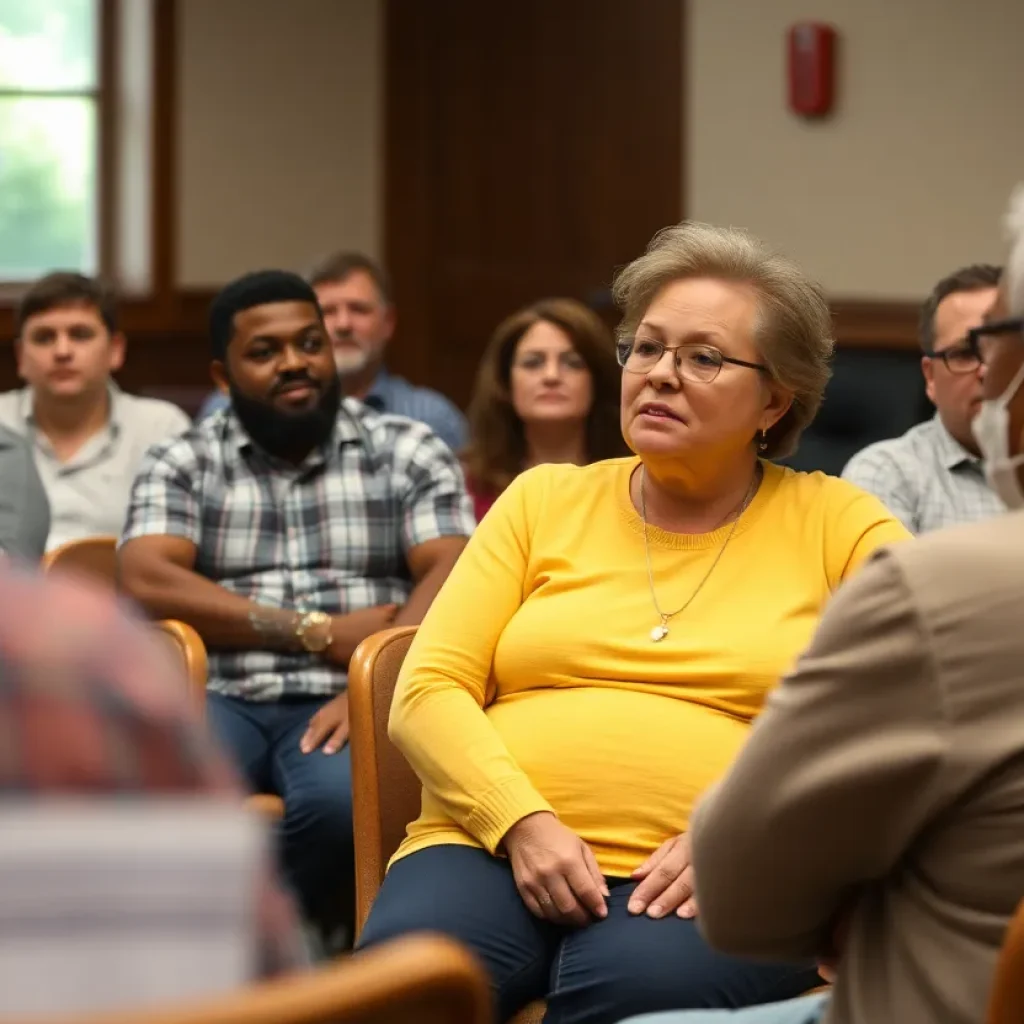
(533, 683)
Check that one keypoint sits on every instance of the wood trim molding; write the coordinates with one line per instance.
(169, 355)
(165, 127)
(871, 324)
(109, 114)
(858, 323)
(182, 313)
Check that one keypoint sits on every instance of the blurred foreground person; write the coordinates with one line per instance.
(92, 707)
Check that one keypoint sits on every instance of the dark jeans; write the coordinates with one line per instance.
(316, 833)
(600, 974)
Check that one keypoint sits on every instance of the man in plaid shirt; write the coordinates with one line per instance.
(286, 529)
(91, 706)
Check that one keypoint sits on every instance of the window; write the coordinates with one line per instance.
(50, 122)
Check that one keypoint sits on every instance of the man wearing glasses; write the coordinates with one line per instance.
(932, 476)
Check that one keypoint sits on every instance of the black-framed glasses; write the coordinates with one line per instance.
(699, 364)
(959, 359)
(979, 339)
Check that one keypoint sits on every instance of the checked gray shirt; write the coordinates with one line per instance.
(331, 534)
(926, 478)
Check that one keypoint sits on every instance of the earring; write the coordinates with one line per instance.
(763, 444)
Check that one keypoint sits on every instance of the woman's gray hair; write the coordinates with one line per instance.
(794, 325)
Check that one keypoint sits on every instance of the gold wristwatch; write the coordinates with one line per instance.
(314, 632)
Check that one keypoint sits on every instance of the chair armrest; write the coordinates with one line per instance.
(188, 646)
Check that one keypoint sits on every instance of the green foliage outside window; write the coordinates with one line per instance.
(48, 136)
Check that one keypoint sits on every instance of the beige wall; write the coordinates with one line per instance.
(279, 133)
(908, 180)
(280, 150)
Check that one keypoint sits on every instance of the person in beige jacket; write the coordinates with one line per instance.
(875, 818)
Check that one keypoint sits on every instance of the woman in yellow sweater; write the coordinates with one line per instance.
(598, 653)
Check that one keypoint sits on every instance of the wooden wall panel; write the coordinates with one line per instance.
(532, 147)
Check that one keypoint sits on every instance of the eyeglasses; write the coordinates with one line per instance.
(570, 360)
(960, 359)
(979, 339)
(700, 364)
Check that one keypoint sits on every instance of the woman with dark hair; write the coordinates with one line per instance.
(547, 391)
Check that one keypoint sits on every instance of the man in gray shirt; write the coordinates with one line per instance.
(24, 510)
(932, 476)
(86, 436)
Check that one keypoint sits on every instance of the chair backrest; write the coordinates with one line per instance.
(187, 646)
(385, 790)
(874, 394)
(95, 557)
(1006, 1002)
(115, 902)
(426, 979)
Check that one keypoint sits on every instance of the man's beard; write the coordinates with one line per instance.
(288, 435)
(350, 359)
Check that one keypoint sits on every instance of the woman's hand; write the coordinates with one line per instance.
(666, 881)
(555, 871)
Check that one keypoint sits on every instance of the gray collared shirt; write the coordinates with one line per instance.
(89, 493)
(24, 510)
(926, 478)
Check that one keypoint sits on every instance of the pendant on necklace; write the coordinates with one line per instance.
(659, 633)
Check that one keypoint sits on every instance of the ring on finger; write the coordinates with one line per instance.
(544, 899)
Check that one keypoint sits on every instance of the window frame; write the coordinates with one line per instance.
(103, 95)
(151, 303)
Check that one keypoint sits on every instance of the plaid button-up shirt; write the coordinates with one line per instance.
(926, 478)
(91, 706)
(331, 534)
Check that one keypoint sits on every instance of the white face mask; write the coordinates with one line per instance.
(991, 429)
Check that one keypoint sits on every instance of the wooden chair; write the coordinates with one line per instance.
(427, 979)
(1006, 1002)
(187, 645)
(385, 790)
(95, 557)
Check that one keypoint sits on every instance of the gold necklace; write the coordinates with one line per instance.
(661, 630)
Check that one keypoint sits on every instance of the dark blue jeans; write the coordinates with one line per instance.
(316, 834)
(600, 974)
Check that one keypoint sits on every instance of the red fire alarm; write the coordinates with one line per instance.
(812, 68)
